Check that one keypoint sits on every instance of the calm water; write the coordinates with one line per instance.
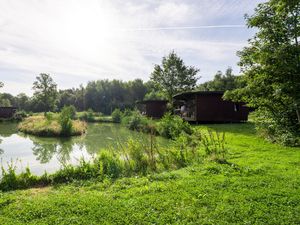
(49, 154)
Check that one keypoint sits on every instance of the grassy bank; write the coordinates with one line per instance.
(262, 188)
(41, 126)
(93, 117)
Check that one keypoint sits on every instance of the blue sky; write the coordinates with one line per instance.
(78, 41)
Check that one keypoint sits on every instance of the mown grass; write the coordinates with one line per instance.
(41, 126)
(260, 186)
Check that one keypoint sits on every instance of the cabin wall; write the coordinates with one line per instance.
(7, 112)
(212, 108)
(156, 109)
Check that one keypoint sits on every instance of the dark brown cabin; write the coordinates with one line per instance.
(209, 106)
(153, 108)
(7, 112)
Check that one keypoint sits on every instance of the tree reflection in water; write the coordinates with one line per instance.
(64, 149)
(46, 148)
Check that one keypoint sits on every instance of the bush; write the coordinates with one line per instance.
(20, 115)
(171, 126)
(116, 116)
(110, 164)
(48, 117)
(214, 144)
(134, 120)
(65, 119)
(88, 116)
(276, 131)
(137, 155)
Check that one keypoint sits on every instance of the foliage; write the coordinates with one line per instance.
(105, 96)
(214, 144)
(171, 126)
(101, 96)
(269, 129)
(45, 92)
(155, 95)
(65, 119)
(134, 120)
(271, 66)
(88, 116)
(20, 115)
(116, 116)
(5, 102)
(222, 82)
(173, 76)
(11, 181)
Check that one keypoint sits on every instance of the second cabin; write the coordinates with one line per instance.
(7, 112)
(209, 107)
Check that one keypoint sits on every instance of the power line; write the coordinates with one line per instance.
(182, 28)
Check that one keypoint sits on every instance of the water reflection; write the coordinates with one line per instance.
(7, 129)
(46, 148)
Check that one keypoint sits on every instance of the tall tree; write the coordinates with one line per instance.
(271, 67)
(45, 92)
(222, 82)
(173, 76)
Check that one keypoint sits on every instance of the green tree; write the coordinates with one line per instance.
(271, 67)
(45, 92)
(5, 102)
(23, 102)
(173, 76)
(222, 82)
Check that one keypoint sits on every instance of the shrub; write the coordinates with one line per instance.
(171, 126)
(135, 121)
(49, 117)
(275, 131)
(214, 144)
(116, 115)
(110, 164)
(88, 116)
(11, 181)
(137, 155)
(19, 115)
(65, 119)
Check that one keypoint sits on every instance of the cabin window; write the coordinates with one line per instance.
(236, 107)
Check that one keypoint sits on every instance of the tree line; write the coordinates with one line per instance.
(166, 80)
(100, 96)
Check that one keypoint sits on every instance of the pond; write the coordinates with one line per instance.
(49, 154)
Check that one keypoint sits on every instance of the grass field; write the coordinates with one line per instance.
(263, 187)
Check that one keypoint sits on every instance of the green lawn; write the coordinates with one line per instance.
(262, 188)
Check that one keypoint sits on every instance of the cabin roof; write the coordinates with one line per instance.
(8, 107)
(184, 95)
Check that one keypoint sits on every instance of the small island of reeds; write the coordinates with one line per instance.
(53, 125)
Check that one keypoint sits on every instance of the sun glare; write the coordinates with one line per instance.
(87, 29)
